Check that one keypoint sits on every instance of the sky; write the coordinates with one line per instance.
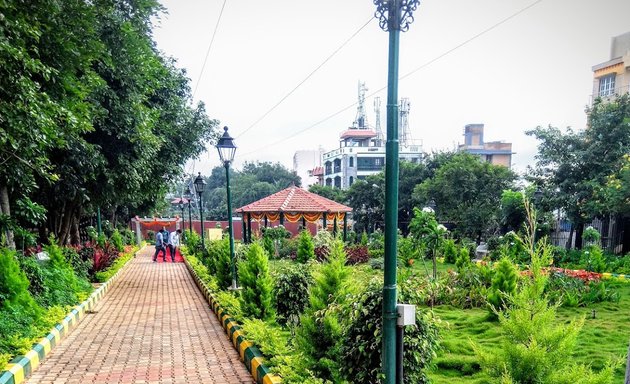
(463, 65)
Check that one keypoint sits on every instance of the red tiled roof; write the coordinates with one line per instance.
(317, 171)
(359, 133)
(294, 199)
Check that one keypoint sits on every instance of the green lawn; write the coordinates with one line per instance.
(602, 339)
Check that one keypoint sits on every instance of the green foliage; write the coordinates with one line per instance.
(364, 238)
(362, 357)
(81, 267)
(334, 194)
(269, 247)
(591, 235)
(503, 284)
(13, 282)
(291, 293)
(231, 303)
(463, 259)
(256, 294)
(201, 270)
(267, 336)
(117, 241)
(593, 259)
(306, 248)
(103, 276)
(219, 257)
(513, 213)
(535, 346)
(320, 329)
(449, 251)
(408, 251)
(193, 241)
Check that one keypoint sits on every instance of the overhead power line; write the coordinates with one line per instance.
(306, 78)
(465, 42)
(205, 60)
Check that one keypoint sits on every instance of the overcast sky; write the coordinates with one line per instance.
(534, 69)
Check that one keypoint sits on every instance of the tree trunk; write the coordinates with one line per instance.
(578, 235)
(570, 240)
(6, 210)
(66, 224)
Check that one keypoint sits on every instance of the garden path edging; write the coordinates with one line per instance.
(249, 353)
(20, 367)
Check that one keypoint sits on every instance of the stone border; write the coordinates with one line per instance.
(22, 366)
(250, 354)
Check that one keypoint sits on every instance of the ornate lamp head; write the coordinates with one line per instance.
(395, 14)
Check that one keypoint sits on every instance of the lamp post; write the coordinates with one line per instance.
(188, 196)
(200, 185)
(181, 206)
(227, 149)
(394, 16)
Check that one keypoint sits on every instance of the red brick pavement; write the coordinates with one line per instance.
(153, 326)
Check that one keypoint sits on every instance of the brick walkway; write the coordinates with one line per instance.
(153, 326)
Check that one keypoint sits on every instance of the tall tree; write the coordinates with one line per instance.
(572, 166)
(466, 191)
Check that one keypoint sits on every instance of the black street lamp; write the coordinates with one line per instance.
(181, 206)
(227, 149)
(188, 195)
(394, 16)
(200, 185)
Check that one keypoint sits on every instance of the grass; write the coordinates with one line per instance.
(602, 339)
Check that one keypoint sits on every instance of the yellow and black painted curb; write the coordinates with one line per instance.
(250, 354)
(22, 366)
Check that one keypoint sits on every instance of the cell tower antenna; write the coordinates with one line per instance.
(361, 120)
(405, 139)
(377, 110)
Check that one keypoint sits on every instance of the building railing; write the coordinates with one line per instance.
(337, 169)
(369, 167)
(612, 93)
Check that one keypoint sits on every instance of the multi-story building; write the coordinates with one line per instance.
(304, 162)
(612, 77)
(494, 152)
(361, 149)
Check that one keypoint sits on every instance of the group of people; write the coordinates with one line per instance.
(165, 240)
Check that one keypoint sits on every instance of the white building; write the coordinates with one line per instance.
(304, 162)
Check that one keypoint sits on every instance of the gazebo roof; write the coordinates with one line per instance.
(294, 199)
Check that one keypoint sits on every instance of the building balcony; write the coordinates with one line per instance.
(369, 167)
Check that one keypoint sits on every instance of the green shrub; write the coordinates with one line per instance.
(63, 287)
(449, 251)
(219, 254)
(201, 270)
(129, 238)
(34, 274)
(269, 246)
(362, 357)
(13, 281)
(103, 276)
(267, 336)
(230, 303)
(256, 284)
(593, 259)
(319, 333)
(291, 293)
(503, 284)
(80, 266)
(463, 259)
(377, 263)
(117, 241)
(364, 239)
(306, 248)
(408, 252)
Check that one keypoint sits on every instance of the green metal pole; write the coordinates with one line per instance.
(391, 201)
(203, 241)
(98, 221)
(345, 226)
(189, 217)
(230, 229)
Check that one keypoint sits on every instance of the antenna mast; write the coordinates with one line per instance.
(377, 110)
(361, 119)
(405, 139)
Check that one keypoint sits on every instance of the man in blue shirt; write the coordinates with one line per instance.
(159, 245)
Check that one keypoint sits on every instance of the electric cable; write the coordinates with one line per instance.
(465, 42)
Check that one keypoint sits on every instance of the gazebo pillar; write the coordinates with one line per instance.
(249, 228)
(303, 222)
(281, 218)
(345, 226)
(324, 222)
(266, 222)
(335, 226)
(244, 227)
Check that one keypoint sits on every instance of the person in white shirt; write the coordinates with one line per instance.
(174, 243)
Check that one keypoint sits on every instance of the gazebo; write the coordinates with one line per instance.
(293, 204)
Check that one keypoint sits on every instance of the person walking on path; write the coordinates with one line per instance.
(167, 241)
(159, 245)
(174, 243)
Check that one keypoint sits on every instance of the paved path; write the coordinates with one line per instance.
(153, 326)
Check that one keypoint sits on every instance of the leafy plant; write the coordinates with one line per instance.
(291, 293)
(268, 337)
(356, 254)
(117, 241)
(449, 251)
(306, 248)
(256, 294)
(503, 284)
(219, 254)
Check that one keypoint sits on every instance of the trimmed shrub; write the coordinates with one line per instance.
(449, 251)
(219, 256)
(256, 294)
(503, 284)
(80, 266)
(306, 248)
(117, 241)
(291, 293)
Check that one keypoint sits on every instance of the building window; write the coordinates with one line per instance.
(489, 158)
(337, 182)
(329, 182)
(370, 163)
(328, 166)
(351, 181)
(607, 85)
(351, 162)
(337, 166)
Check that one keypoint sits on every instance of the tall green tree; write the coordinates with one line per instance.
(466, 191)
(573, 166)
